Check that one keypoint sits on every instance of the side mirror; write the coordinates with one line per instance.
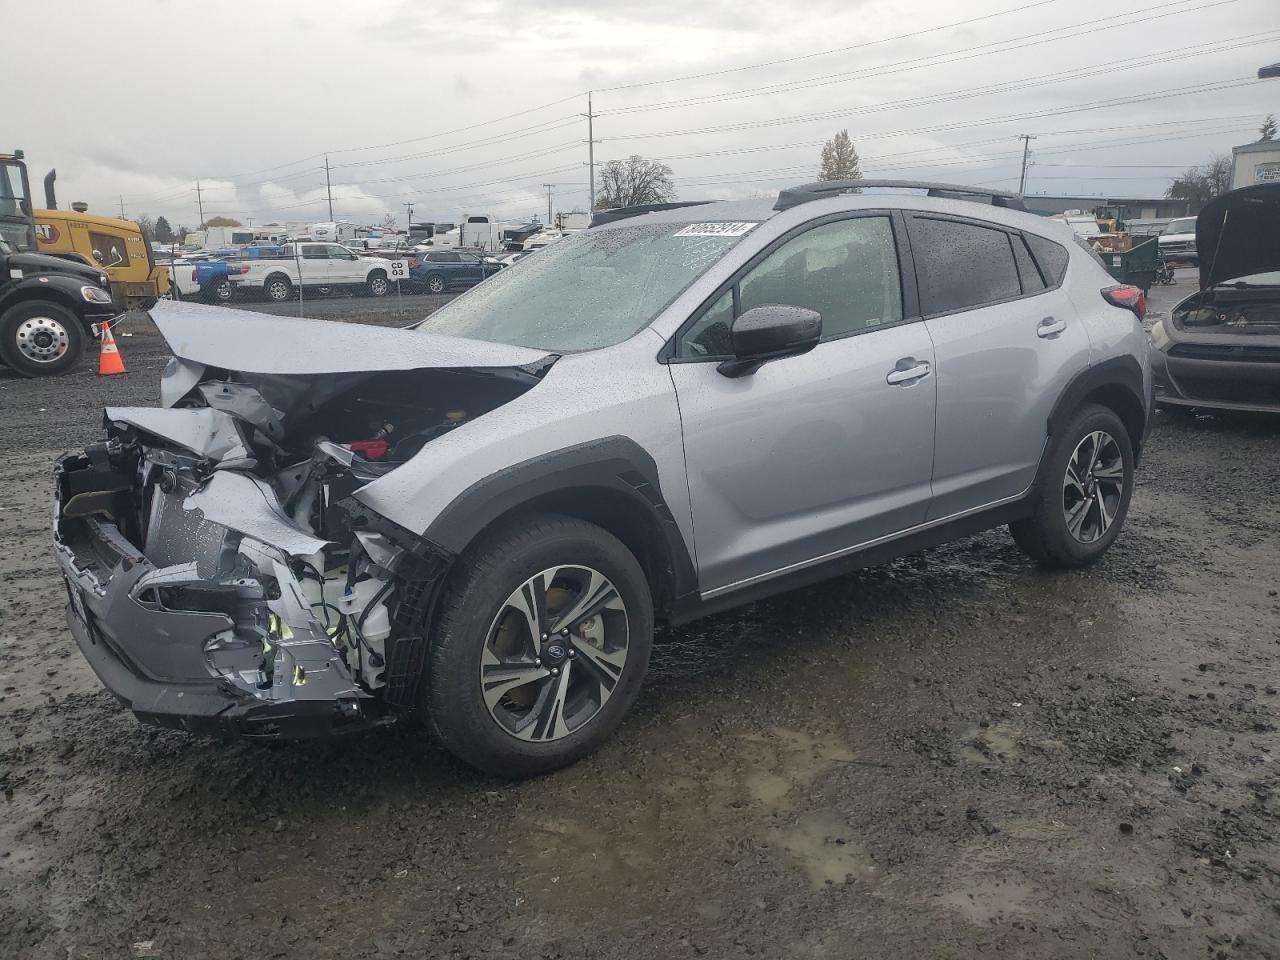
(770, 332)
(97, 255)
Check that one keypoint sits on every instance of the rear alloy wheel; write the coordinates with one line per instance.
(279, 289)
(435, 283)
(379, 285)
(540, 648)
(39, 339)
(221, 292)
(1084, 492)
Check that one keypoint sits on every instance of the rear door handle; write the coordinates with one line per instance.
(1050, 327)
(908, 370)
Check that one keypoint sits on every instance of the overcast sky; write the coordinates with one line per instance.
(471, 107)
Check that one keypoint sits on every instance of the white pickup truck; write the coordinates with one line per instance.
(308, 264)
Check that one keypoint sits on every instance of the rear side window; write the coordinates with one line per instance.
(1052, 258)
(962, 265)
(1032, 282)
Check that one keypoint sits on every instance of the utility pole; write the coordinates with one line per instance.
(122, 208)
(1026, 149)
(591, 149)
(327, 186)
(549, 217)
(200, 203)
(409, 205)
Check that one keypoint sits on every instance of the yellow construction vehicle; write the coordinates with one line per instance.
(108, 243)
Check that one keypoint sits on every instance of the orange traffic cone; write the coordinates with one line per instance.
(109, 359)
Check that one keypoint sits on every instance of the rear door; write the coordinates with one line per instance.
(314, 264)
(811, 455)
(1007, 343)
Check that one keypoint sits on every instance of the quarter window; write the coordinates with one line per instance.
(1051, 256)
(847, 271)
(962, 265)
(1032, 282)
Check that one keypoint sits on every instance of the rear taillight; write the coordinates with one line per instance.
(243, 268)
(1130, 298)
(195, 275)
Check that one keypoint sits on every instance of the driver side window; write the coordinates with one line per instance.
(847, 271)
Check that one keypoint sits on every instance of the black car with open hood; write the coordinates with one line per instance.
(1220, 347)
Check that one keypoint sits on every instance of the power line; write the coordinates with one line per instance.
(1035, 38)
(823, 53)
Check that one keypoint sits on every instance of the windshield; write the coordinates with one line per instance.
(1181, 226)
(590, 291)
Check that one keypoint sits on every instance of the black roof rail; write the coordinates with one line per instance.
(794, 196)
(601, 217)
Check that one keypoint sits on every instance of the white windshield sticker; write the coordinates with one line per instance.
(716, 229)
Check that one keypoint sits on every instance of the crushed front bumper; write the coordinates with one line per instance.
(184, 649)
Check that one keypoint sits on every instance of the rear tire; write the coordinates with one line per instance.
(1084, 493)
(378, 285)
(220, 292)
(279, 288)
(525, 727)
(41, 339)
(436, 283)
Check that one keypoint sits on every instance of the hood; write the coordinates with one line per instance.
(1238, 234)
(263, 344)
(34, 264)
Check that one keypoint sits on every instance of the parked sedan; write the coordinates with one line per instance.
(441, 270)
(1221, 346)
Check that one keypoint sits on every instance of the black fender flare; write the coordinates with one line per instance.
(1122, 375)
(616, 464)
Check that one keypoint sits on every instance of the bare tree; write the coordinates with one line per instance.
(1267, 131)
(148, 227)
(840, 159)
(389, 222)
(1204, 182)
(627, 183)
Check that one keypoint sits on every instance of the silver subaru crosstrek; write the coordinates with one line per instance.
(325, 527)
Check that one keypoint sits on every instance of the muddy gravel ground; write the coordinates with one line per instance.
(954, 755)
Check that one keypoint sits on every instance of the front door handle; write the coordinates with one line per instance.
(1050, 327)
(908, 370)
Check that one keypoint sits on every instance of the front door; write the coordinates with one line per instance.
(810, 455)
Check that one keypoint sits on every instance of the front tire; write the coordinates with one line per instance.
(41, 339)
(1084, 494)
(221, 292)
(436, 283)
(540, 648)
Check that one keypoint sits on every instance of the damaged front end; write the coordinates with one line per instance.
(222, 578)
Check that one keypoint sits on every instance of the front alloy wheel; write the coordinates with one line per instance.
(555, 653)
(1093, 487)
(539, 647)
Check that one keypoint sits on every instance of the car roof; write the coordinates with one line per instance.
(758, 211)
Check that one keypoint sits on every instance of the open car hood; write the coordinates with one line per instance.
(1238, 234)
(263, 344)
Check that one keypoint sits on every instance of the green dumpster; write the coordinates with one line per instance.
(1135, 266)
